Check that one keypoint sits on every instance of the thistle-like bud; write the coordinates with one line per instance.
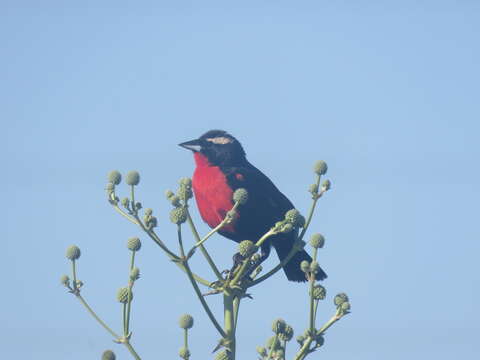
(178, 215)
(246, 247)
(65, 280)
(313, 189)
(185, 181)
(73, 252)
(186, 321)
(175, 201)
(169, 194)
(223, 355)
(240, 196)
(185, 192)
(345, 306)
(293, 216)
(114, 177)
(317, 241)
(134, 244)
(132, 178)
(314, 267)
(305, 266)
(339, 299)
(135, 274)
(125, 202)
(108, 355)
(261, 351)
(287, 334)
(326, 185)
(148, 212)
(319, 292)
(150, 221)
(320, 167)
(123, 294)
(278, 326)
(184, 353)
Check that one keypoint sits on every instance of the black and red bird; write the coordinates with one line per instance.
(221, 168)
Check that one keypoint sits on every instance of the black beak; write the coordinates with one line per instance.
(193, 145)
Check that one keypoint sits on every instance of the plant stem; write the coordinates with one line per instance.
(198, 292)
(185, 338)
(203, 249)
(312, 210)
(302, 353)
(312, 307)
(132, 350)
(229, 322)
(329, 323)
(74, 275)
(95, 316)
(236, 309)
(270, 353)
(130, 286)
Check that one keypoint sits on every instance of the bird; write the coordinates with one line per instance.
(221, 167)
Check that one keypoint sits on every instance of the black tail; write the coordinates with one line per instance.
(292, 268)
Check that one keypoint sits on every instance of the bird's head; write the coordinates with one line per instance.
(217, 147)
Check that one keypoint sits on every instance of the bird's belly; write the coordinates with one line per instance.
(213, 196)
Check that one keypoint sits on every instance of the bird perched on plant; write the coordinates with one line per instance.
(222, 168)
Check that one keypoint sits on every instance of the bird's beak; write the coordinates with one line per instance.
(193, 145)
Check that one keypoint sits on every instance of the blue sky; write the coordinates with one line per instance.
(385, 92)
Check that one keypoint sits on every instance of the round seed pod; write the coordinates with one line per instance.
(178, 215)
(65, 280)
(132, 178)
(134, 244)
(114, 177)
(305, 266)
(240, 196)
(339, 299)
(184, 353)
(319, 292)
(320, 167)
(186, 321)
(73, 252)
(317, 241)
(123, 294)
(246, 247)
(108, 355)
(278, 326)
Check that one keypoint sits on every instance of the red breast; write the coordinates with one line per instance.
(212, 193)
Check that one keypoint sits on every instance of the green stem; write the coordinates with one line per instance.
(203, 249)
(132, 350)
(132, 260)
(312, 210)
(185, 338)
(180, 242)
(229, 322)
(130, 286)
(74, 275)
(236, 308)
(132, 196)
(198, 292)
(124, 317)
(312, 307)
(302, 353)
(95, 316)
(270, 353)
(329, 323)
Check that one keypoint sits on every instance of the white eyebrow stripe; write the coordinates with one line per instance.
(220, 140)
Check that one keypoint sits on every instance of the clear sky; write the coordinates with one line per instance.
(386, 92)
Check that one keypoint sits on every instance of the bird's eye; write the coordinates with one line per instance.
(220, 140)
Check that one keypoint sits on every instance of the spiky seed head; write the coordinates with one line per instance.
(291, 216)
(320, 167)
(345, 306)
(178, 215)
(169, 194)
(73, 252)
(246, 247)
(135, 274)
(148, 212)
(123, 294)
(305, 266)
(65, 280)
(114, 177)
(134, 244)
(184, 353)
(110, 186)
(278, 326)
(287, 334)
(326, 185)
(223, 355)
(185, 181)
(186, 321)
(313, 189)
(185, 193)
(125, 202)
(240, 196)
(261, 351)
(132, 178)
(339, 299)
(319, 292)
(108, 355)
(317, 241)
(273, 342)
